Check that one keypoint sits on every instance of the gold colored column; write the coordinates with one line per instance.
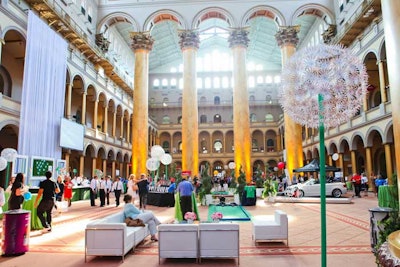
(341, 163)
(382, 82)
(391, 22)
(389, 167)
(96, 106)
(128, 131)
(114, 123)
(353, 161)
(67, 158)
(105, 129)
(68, 101)
(287, 39)
(238, 42)
(368, 159)
(142, 44)
(104, 167)
(94, 166)
(113, 169)
(121, 125)
(83, 119)
(189, 42)
(81, 165)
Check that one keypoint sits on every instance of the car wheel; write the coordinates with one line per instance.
(337, 193)
(301, 193)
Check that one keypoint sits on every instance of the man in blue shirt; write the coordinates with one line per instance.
(185, 190)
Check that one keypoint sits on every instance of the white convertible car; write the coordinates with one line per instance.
(311, 188)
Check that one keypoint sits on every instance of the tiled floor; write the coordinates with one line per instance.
(348, 241)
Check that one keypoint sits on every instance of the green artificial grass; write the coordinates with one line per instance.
(230, 213)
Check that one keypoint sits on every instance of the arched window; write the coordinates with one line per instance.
(251, 81)
(217, 82)
(164, 83)
(217, 100)
(156, 83)
(277, 79)
(260, 79)
(207, 83)
(252, 98)
(217, 118)
(165, 145)
(173, 83)
(253, 117)
(165, 120)
(203, 119)
(270, 145)
(269, 117)
(268, 79)
(203, 100)
(218, 146)
(268, 99)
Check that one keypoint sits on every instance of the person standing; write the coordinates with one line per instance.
(60, 184)
(185, 190)
(132, 187)
(93, 190)
(47, 191)
(117, 188)
(17, 193)
(102, 192)
(68, 190)
(108, 188)
(356, 180)
(143, 184)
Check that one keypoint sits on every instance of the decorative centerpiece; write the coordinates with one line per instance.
(190, 217)
(216, 216)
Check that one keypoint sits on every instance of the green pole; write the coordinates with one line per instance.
(166, 172)
(7, 175)
(322, 179)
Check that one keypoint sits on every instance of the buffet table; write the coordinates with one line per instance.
(387, 197)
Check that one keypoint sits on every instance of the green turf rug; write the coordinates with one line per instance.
(230, 213)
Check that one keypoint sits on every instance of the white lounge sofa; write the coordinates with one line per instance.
(110, 236)
(271, 230)
(219, 240)
(178, 241)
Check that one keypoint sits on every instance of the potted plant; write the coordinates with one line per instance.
(241, 183)
(259, 181)
(206, 186)
(269, 192)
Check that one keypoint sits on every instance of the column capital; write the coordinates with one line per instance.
(189, 39)
(141, 40)
(287, 35)
(238, 37)
(329, 34)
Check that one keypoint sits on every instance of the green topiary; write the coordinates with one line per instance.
(206, 183)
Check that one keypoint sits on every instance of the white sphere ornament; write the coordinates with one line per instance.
(329, 75)
(9, 154)
(276, 169)
(3, 163)
(231, 165)
(152, 164)
(157, 152)
(166, 159)
(335, 156)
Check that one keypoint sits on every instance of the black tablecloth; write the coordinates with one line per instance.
(161, 199)
(248, 201)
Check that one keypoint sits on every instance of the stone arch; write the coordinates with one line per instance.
(90, 148)
(213, 12)
(162, 15)
(316, 10)
(117, 17)
(263, 11)
(354, 136)
(369, 135)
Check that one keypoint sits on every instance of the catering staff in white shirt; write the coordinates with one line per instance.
(94, 187)
(108, 188)
(117, 188)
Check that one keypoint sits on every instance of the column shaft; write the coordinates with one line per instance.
(105, 128)
(368, 159)
(382, 83)
(94, 166)
(104, 167)
(68, 101)
(114, 126)
(391, 21)
(353, 161)
(81, 165)
(96, 106)
(83, 119)
(389, 167)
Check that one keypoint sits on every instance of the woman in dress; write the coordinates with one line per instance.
(147, 217)
(59, 196)
(68, 190)
(17, 193)
(132, 188)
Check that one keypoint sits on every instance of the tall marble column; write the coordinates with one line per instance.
(368, 163)
(121, 126)
(96, 106)
(113, 169)
(238, 42)
(67, 158)
(94, 166)
(287, 39)
(128, 130)
(114, 126)
(382, 83)
(189, 42)
(391, 22)
(81, 165)
(353, 161)
(389, 167)
(83, 119)
(68, 101)
(105, 128)
(142, 43)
